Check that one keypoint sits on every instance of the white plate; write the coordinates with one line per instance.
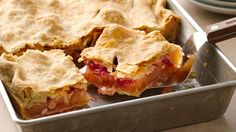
(217, 9)
(219, 3)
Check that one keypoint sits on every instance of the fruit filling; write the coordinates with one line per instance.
(108, 83)
(73, 98)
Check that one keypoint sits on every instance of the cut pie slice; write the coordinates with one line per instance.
(128, 61)
(43, 83)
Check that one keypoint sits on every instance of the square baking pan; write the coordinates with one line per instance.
(204, 98)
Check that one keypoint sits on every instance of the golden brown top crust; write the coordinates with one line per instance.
(36, 73)
(132, 48)
(63, 22)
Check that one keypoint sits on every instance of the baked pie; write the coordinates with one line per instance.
(127, 61)
(43, 83)
(75, 24)
(121, 41)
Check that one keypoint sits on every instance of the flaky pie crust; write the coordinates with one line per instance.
(70, 23)
(36, 76)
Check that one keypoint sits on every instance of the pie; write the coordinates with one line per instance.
(43, 83)
(125, 45)
(127, 61)
(75, 24)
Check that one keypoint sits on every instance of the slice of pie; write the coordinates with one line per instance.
(127, 61)
(43, 83)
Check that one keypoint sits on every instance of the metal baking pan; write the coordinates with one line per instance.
(208, 98)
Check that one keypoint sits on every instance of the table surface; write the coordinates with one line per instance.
(227, 123)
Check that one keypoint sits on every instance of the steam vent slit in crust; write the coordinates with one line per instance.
(43, 83)
(127, 61)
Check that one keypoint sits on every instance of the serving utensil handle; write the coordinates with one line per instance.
(221, 31)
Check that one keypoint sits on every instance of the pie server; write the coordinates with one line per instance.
(214, 33)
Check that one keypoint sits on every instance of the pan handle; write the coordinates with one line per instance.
(221, 31)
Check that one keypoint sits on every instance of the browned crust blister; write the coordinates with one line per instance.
(41, 27)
